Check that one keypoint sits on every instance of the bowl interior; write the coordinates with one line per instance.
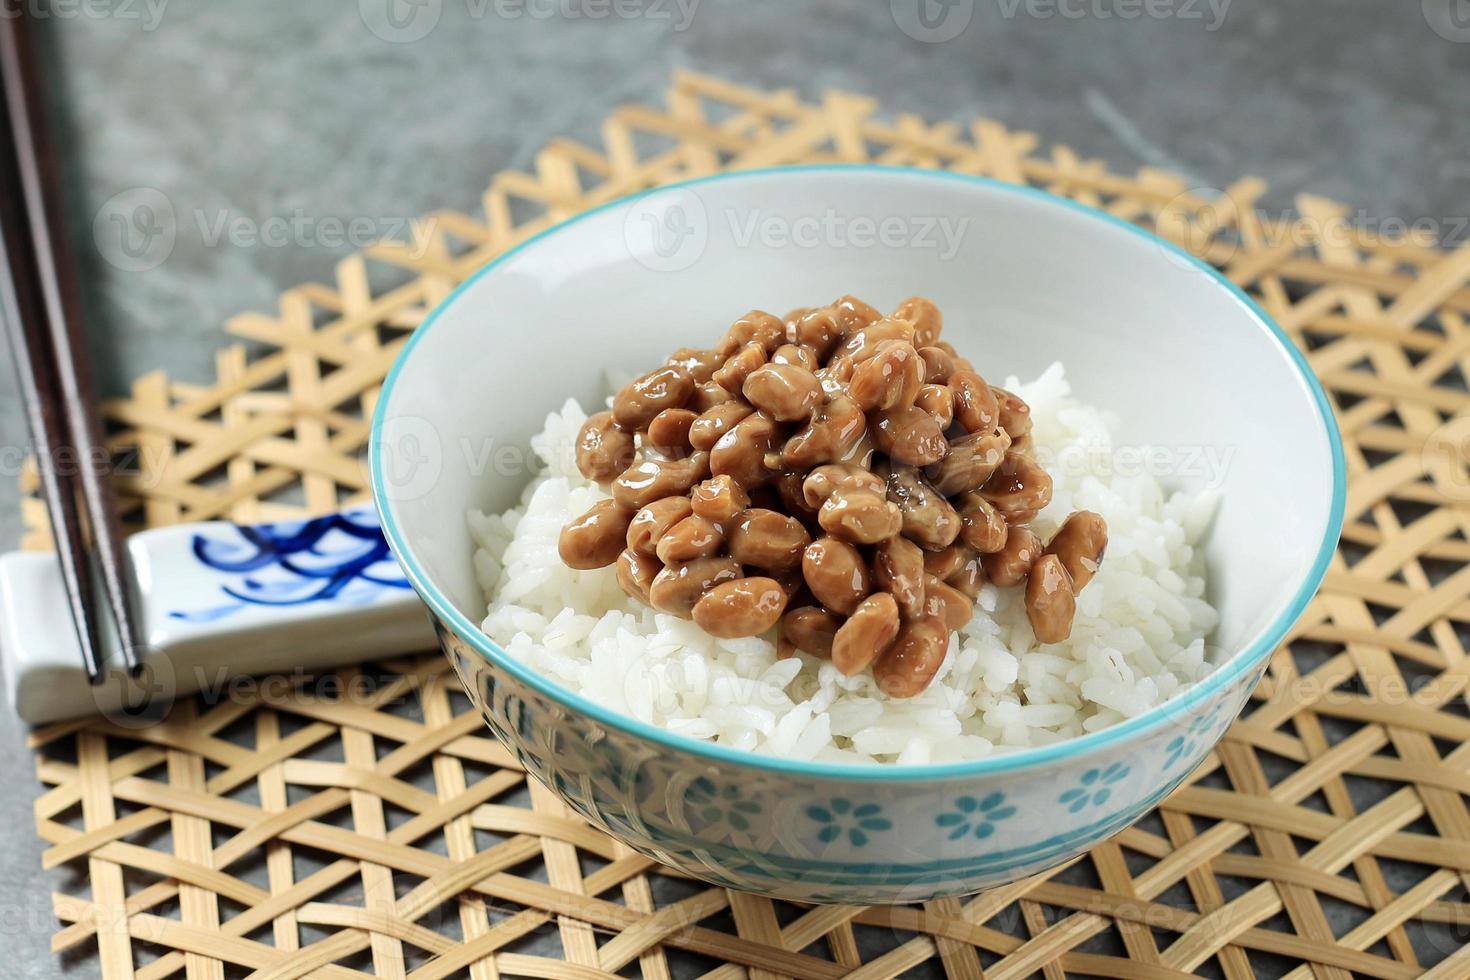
(1023, 280)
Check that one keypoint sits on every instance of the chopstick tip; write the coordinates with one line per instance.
(132, 657)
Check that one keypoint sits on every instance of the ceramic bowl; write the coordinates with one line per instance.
(1181, 355)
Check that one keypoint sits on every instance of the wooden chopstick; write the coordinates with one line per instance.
(45, 321)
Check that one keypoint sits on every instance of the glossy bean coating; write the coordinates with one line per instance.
(755, 327)
(909, 435)
(946, 562)
(1015, 414)
(1019, 489)
(1010, 565)
(788, 490)
(853, 314)
(861, 453)
(938, 365)
(985, 528)
(810, 629)
(595, 539)
(898, 569)
(792, 583)
(819, 330)
(744, 607)
(925, 316)
(693, 537)
(835, 376)
(947, 602)
(652, 521)
(975, 406)
(700, 364)
(741, 452)
(636, 573)
(970, 576)
(835, 428)
(971, 461)
(864, 343)
(668, 433)
(822, 481)
(1080, 543)
(708, 395)
(676, 588)
(732, 374)
(868, 632)
(798, 355)
(960, 363)
(938, 401)
(718, 499)
(786, 392)
(766, 539)
(836, 574)
(929, 519)
(707, 429)
(1050, 600)
(871, 434)
(889, 379)
(917, 653)
(859, 516)
(669, 386)
(604, 449)
(650, 479)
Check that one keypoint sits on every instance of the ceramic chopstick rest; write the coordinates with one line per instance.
(218, 601)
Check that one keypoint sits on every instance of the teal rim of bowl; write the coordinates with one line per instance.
(1221, 677)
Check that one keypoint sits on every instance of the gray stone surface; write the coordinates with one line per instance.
(238, 114)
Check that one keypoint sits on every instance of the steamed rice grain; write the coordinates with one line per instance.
(1137, 639)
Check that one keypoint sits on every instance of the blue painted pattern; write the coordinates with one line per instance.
(1095, 788)
(716, 804)
(341, 557)
(975, 816)
(1185, 744)
(841, 816)
(837, 841)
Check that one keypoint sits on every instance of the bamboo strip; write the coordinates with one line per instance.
(426, 812)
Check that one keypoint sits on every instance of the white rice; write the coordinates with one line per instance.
(1138, 636)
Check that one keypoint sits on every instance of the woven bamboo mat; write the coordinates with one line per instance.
(368, 824)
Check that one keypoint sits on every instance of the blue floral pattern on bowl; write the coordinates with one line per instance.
(1187, 744)
(840, 815)
(975, 816)
(850, 840)
(341, 557)
(1095, 787)
(718, 806)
